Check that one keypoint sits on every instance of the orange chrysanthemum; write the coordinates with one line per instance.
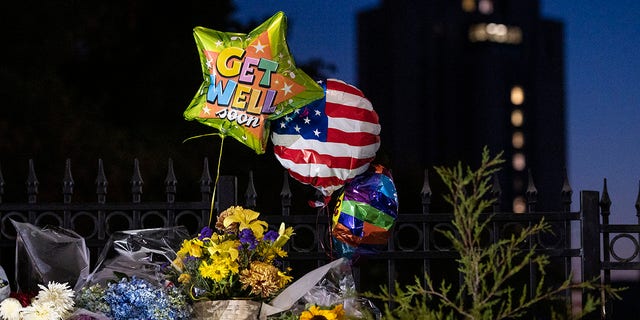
(262, 278)
(232, 228)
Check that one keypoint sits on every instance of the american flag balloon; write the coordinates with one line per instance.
(329, 141)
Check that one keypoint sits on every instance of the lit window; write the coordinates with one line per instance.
(517, 118)
(468, 5)
(498, 30)
(485, 6)
(517, 95)
(519, 205)
(495, 32)
(518, 162)
(517, 140)
(478, 33)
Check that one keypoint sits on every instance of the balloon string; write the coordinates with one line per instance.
(215, 185)
(321, 240)
(330, 227)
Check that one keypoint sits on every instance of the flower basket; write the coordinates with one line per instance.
(241, 259)
(235, 309)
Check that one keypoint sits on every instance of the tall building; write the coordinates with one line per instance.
(448, 77)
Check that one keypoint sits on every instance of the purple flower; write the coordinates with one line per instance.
(247, 237)
(271, 235)
(206, 232)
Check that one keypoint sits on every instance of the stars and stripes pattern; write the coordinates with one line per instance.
(331, 140)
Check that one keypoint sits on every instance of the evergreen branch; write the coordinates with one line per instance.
(486, 269)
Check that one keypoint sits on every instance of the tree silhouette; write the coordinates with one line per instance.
(110, 79)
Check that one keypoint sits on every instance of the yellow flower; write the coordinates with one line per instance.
(196, 248)
(280, 253)
(184, 249)
(229, 264)
(247, 219)
(192, 247)
(284, 236)
(177, 262)
(228, 248)
(184, 278)
(270, 253)
(214, 271)
(316, 313)
(284, 279)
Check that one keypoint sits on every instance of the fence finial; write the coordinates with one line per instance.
(67, 182)
(285, 195)
(101, 183)
(205, 182)
(605, 201)
(1, 184)
(566, 192)
(532, 194)
(170, 183)
(250, 195)
(136, 182)
(425, 193)
(32, 183)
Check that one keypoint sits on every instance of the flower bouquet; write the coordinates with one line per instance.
(128, 281)
(54, 301)
(131, 298)
(232, 266)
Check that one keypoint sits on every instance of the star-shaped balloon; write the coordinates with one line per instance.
(249, 79)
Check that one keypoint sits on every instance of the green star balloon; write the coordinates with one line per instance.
(249, 79)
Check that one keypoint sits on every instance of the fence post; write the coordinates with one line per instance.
(1, 185)
(227, 193)
(136, 193)
(590, 213)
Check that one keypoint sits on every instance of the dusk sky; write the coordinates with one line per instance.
(602, 67)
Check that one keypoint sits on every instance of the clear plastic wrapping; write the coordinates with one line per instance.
(5, 288)
(142, 253)
(326, 286)
(48, 254)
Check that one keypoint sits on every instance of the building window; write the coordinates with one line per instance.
(518, 162)
(485, 6)
(495, 32)
(517, 118)
(519, 205)
(517, 95)
(517, 140)
(468, 5)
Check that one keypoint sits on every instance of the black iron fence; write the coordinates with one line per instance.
(583, 242)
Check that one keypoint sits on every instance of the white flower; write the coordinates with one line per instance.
(59, 295)
(10, 309)
(39, 310)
